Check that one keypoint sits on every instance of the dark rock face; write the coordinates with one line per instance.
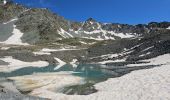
(3, 63)
(6, 31)
(90, 25)
(10, 11)
(152, 45)
(39, 25)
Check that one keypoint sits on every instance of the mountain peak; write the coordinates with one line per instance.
(91, 20)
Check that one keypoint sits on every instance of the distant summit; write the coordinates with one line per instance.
(91, 20)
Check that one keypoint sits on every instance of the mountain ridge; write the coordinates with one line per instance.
(42, 28)
(45, 26)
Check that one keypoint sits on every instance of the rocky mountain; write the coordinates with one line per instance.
(41, 25)
(40, 28)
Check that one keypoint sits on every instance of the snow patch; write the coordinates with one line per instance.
(145, 54)
(47, 51)
(98, 39)
(73, 63)
(82, 42)
(60, 63)
(5, 48)
(122, 35)
(148, 48)
(106, 56)
(53, 50)
(15, 39)
(64, 34)
(168, 28)
(112, 61)
(12, 20)
(41, 53)
(15, 64)
(51, 82)
(92, 32)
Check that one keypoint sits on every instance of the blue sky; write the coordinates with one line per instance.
(116, 11)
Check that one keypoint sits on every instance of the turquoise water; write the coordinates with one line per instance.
(89, 71)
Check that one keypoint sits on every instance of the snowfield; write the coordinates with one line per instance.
(151, 84)
(160, 60)
(148, 84)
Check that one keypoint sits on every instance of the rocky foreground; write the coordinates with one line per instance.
(6, 94)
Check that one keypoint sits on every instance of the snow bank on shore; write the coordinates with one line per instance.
(15, 64)
(50, 82)
(148, 84)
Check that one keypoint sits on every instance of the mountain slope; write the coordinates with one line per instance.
(41, 25)
(42, 28)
